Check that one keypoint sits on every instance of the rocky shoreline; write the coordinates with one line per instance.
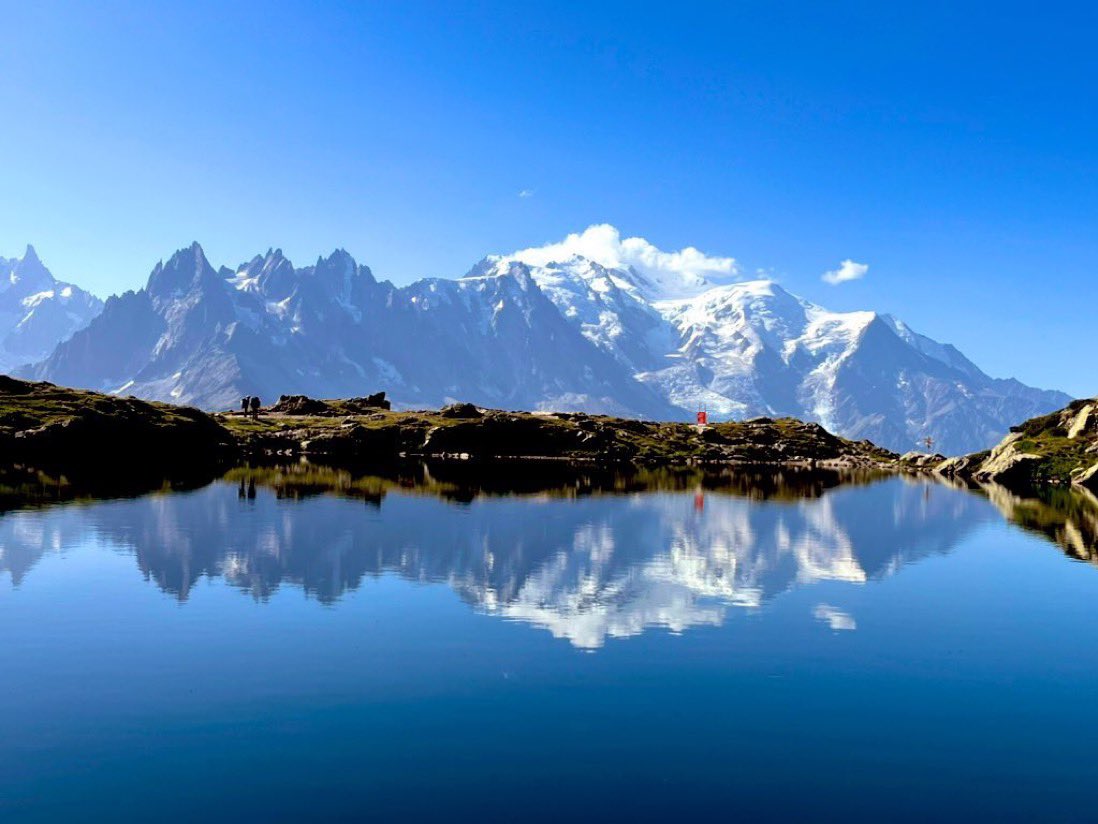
(51, 426)
(341, 429)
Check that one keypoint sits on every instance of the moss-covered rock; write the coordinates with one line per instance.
(1059, 448)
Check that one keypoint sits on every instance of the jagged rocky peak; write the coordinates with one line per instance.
(272, 261)
(185, 268)
(339, 259)
(341, 276)
(30, 258)
(28, 274)
(271, 274)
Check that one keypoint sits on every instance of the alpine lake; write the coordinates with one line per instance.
(539, 642)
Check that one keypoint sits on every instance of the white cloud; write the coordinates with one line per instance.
(848, 270)
(526, 193)
(834, 617)
(687, 270)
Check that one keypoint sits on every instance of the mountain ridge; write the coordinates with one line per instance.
(523, 331)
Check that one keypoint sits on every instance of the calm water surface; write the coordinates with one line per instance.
(317, 644)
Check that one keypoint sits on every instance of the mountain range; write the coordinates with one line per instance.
(646, 334)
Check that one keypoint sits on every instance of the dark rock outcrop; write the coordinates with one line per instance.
(304, 405)
(299, 405)
(460, 410)
(368, 403)
(55, 426)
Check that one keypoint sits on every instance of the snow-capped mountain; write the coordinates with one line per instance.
(751, 348)
(199, 336)
(37, 311)
(754, 349)
(596, 323)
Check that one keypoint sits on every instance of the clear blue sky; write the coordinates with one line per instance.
(952, 147)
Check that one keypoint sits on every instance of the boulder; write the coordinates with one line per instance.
(304, 405)
(367, 403)
(962, 465)
(1006, 464)
(713, 436)
(922, 460)
(300, 405)
(1082, 421)
(460, 410)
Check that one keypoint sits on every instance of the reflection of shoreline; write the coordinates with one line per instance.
(464, 482)
(583, 563)
(23, 487)
(1066, 516)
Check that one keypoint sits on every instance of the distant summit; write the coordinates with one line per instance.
(37, 311)
(597, 324)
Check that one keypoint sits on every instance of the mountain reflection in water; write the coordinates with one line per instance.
(586, 555)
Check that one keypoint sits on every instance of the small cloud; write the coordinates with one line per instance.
(834, 617)
(848, 270)
(526, 193)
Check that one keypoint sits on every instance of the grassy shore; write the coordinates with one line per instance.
(40, 422)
